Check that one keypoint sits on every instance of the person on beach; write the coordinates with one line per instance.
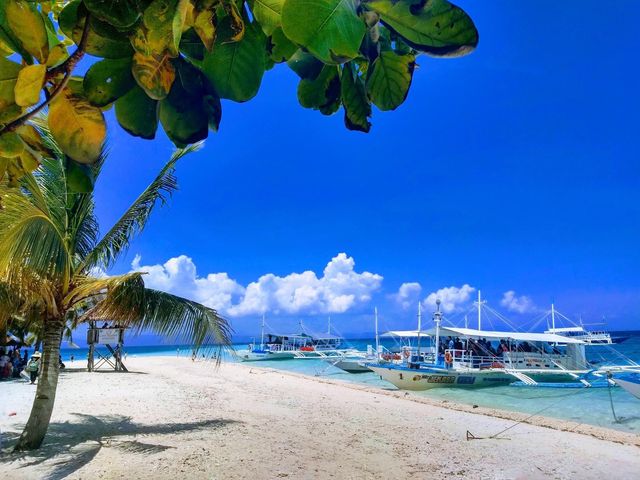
(33, 366)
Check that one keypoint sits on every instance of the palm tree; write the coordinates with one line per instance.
(50, 251)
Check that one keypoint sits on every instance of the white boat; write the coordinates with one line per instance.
(276, 346)
(483, 358)
(577, 331)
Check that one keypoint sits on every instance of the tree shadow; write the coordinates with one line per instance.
(70, 445)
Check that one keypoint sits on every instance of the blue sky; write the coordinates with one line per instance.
(512, 169)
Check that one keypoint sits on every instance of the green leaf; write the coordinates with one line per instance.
(191, 45)
(27, 26)
(357, 108)
(183, 116)
(435, 27)
(268, 13)
(9, 72)
(77, 126)
(322, 93)
(330, 29)
(29, 84)
(154, 73)
(305, 65)
(122, 14)
(161, 30)
(108, 80)
(80, 177)
(389, 79)
(102, 41)
(11, 145)
(235, 69)
(137, 113)
(205, 26)
(213, 109)
(282, 49)
(8, 42)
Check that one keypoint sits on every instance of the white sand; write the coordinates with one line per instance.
(180, 420)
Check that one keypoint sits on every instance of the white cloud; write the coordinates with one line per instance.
(338, 290)
(518, 304)
(451, 298)
(408, 294)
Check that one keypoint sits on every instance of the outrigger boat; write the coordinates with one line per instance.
(358, 362)
(483, 358)
(302, 345)
(578, 332)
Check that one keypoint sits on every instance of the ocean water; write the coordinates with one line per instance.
(585, 405)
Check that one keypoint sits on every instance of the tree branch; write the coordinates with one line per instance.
(65, 67)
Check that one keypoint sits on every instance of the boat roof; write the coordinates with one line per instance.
(288, 335)
(566, 330)
(472, 333)
(405, 333)
(519, 336)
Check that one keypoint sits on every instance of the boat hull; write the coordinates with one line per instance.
(632, 387)
(351, 366)
(264, 356)
(413, 379)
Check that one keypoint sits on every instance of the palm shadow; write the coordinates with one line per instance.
(70, 445)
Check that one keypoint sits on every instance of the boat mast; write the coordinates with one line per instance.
(553, 318)
(329, 327)
(419, 327)
(479, 310)
(436, 318)
(377, 337)
(262, 333)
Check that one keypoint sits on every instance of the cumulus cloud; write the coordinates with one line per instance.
(518, 304)
(451, 298)
(339, 289)
(408, 294)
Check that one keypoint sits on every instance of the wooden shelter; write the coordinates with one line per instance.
(112, 337)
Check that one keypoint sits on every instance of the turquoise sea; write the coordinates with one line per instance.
(585, 405)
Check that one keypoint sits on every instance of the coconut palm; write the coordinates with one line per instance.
(50, 251)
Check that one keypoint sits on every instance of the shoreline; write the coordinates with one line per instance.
(173, 418)
(539, 420)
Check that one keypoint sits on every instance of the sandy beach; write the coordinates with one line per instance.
(172, 418)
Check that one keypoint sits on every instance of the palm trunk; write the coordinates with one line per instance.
(38, 423)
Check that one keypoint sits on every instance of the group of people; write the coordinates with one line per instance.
(12, 363)
(482, 347)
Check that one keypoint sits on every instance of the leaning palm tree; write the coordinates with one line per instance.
(50, 251)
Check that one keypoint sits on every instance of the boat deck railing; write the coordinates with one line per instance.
(510, 360)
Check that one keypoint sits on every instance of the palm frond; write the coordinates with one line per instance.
(135, 218)
(30, 241)
(86, 287)
(132, 305)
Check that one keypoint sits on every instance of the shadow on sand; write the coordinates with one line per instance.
(69, 446)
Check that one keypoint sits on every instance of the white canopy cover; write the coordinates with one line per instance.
(472, 333)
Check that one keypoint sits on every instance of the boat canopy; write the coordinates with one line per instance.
(519, 336)
(566, 330)
(405, 333)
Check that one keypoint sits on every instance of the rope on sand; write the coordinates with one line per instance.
(471, 436)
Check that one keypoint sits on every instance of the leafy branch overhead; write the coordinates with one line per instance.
(170, 62)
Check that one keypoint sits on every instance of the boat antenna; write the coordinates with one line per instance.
(437, 317)
(375, 310)
(419, 326)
